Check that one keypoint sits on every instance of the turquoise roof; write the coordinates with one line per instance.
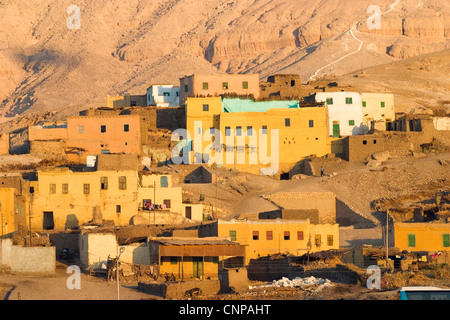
(248, 105)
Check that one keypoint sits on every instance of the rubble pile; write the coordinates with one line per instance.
(296, 283)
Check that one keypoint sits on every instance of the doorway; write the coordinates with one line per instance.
(49, 223)
(336, 130)
(284, 176)
(198, 266)
(188, 213)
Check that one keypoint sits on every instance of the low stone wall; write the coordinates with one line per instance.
(41, 260)
(234, 279)
(179, 289)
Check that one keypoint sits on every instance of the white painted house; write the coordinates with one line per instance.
(345, 113)
(378, 107)
(163, 96)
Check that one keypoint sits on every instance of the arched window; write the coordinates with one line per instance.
(164, 183)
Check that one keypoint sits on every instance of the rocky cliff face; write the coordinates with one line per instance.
(123, 46)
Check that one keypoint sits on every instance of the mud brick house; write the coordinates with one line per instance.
(202, 85)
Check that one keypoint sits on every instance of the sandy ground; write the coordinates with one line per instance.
(55, 288)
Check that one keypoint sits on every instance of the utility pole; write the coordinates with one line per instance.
(216, 198)
(2, 218)
(29, 220)
(387, 237)
(119, 252)
(29, 211)
(154, 199)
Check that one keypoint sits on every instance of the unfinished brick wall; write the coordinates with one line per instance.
(324, 202)
(48, 148)
(171, 118)
(358, 148)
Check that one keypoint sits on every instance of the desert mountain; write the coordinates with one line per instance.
(124, 46)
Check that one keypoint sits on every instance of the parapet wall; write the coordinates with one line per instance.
(41, 260)
(179, 289)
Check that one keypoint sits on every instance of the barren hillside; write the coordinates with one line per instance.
(123, 46)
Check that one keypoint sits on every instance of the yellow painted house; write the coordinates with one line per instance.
(255, 135)
(193, 257)
(65, 199)
(420, 236)
(12, 211)
(268, 237)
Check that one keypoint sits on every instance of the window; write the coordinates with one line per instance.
(374, 141)
(318, 240)
(239, 131)
(411, 240)
(264, 129)
(287, 235)
(86, 188)
(227, 131)
(383, 104)
(364, 104)
(311, 123)
(269, 235)
(80, 129)
(249, 131)
(186, 88)
(255, 235)
(133, 103)
(225, 85)
(233, 235)
(292, 83)
(244, 85)
(126, 127)
(200, 130)
(205, 85)
(206, 107)
(364, 141)
(348, 100)
(52, 188)
(330, 240)
(103, 128)
(351, 122)
(166, 94)
(164, 182)
(287, 122)
(65, 188)
(122, 183)
(329, 100)
(446, 240)
(173, 260)
(299, 235)
(167, 203)
(118, 208)
(104, 183)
